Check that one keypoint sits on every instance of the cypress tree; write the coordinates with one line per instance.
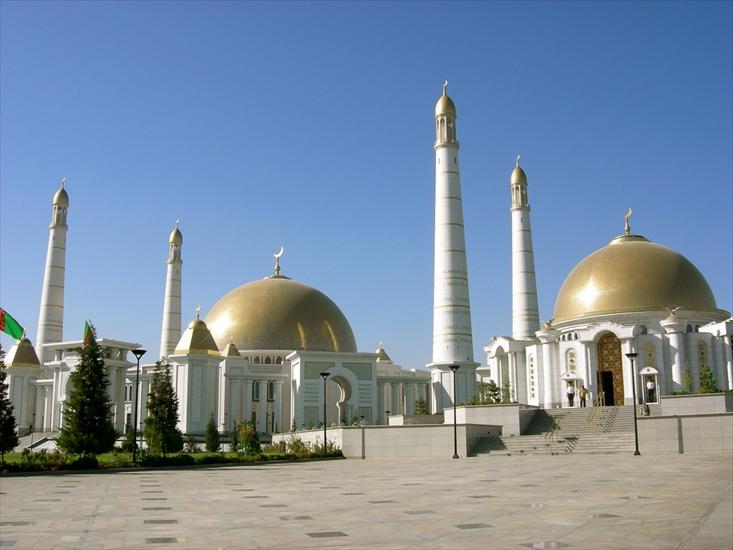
(707, 380)
(161, 425)
(8, 435)
(213, 441)
(88, 427)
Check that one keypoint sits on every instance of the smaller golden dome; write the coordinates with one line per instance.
(22, 354)
(382, 356)
(61, 197)
(197, 340)
(518, 176)
(231, 350)
(445, 105)
(176, 236)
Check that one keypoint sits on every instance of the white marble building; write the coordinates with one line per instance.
(631, 295)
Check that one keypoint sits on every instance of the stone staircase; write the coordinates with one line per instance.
(592, 430)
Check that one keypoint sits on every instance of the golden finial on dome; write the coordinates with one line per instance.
(277, 256)
(627, 227)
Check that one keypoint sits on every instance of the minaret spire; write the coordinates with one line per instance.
(170, 332)
(51, 315)
(452, 335)
(525, 312)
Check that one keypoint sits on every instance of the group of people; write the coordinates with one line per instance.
(582, 394)
(651, 389)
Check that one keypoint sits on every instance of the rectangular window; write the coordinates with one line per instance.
(271, 391)
(256, 391)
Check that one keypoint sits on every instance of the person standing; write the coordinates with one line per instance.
(582, 393)
(650, 387)
(571, 394)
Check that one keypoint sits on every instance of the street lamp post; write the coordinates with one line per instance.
(325, 376)
(631, 357)
(138, 353)
(454, 368)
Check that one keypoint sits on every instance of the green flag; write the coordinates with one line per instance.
(10, 326)
(88, 331)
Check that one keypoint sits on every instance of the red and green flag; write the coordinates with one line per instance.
(10, 326)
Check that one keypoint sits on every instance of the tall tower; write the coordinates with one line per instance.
(51, 316)
(452, 337)
(170, 332)
(525, 313)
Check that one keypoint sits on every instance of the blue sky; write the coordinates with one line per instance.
(311, 125)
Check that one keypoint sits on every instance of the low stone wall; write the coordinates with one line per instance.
(704, 403)
(396, 441)
(699, 433)
(414, 419)
(513, 418)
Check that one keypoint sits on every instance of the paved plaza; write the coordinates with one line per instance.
(574, 502)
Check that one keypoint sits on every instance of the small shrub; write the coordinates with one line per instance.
(213, 441)
(297, 447)
(84, 462)
(190, 446)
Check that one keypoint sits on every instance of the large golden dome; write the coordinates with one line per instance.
(279, 313)
(632, 274)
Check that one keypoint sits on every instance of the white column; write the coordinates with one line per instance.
(279, 407)
(728, 366)
(262, 407)
(674, 327)
(380, 417)
(51, 315)
(394, 397)
(247, 409)
(548, 337)
(170, 332)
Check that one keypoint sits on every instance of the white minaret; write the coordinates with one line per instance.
(452, 337)
(525, 313)
(170, 332)
(51, 316)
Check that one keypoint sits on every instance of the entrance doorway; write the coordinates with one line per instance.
(606, 386)
(610, 373)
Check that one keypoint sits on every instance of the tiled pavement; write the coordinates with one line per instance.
(574, 502)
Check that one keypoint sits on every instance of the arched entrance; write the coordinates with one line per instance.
(610, 373)
(339, 401)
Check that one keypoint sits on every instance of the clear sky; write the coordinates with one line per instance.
(311, 125)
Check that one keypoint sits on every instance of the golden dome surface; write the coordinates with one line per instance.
(61, 197)
(278, 313)
(445, 105)
(176, 236)
(632, 274)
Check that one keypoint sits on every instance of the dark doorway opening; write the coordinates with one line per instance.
(607, 385)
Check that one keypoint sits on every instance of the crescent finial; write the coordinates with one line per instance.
(178, 221)
(63, 181)
(627, 227)
(445, 85)
(198, 310)
(516, 160)
(277, 257)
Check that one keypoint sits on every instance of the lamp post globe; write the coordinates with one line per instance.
(454, 368)
(138, 353)
(632, 356)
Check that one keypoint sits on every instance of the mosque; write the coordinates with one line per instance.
(267, 350)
